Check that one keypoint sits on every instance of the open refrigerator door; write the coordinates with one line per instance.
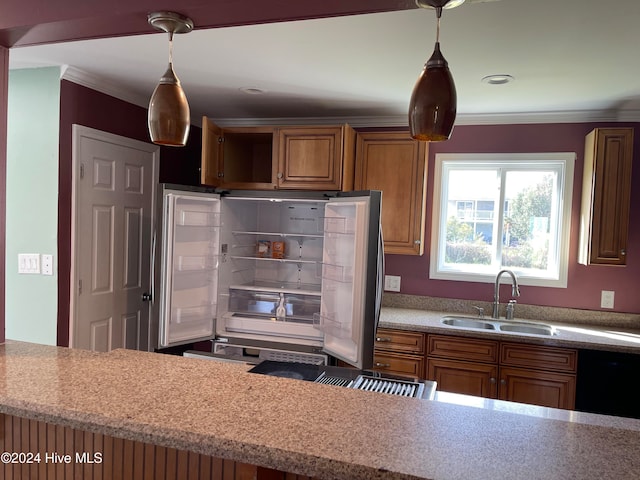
(189, 267)
(342, 316)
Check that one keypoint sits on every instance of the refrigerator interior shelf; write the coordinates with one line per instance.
(195, 218)
(269, 259)
(278, 234)
(279, 287)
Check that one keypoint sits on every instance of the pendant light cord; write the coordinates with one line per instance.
(438, 15)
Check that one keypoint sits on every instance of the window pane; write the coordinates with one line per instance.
(527, 222)
(470, 225)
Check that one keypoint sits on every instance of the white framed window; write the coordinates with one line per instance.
(495, 211)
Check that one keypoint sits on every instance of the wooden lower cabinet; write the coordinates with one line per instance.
(399, 352)
(468, 378)
(86, 455)
(524, 373)
(548, 389)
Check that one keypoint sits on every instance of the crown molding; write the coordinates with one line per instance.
(101, 85)
(94, 82)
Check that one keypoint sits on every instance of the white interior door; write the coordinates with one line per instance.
(114, 190)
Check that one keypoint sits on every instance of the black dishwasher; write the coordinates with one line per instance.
(606, 383)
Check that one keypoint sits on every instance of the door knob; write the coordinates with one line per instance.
(146, 297)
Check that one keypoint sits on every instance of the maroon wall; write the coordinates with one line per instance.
(87, 107)
(584, 282)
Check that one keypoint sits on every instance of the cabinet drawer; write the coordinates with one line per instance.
(399, 341)
(397, 363)
(544, 358)
(460, 348)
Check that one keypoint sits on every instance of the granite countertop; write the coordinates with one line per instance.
(311, 429)
(615, 338)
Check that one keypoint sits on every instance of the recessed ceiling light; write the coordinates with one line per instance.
(252, 90)
(498, 79)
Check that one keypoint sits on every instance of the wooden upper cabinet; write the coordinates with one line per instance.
(267, 158)
(395, 164)
(240, 158)
(211, 153)
(316, 158)
(606, 192)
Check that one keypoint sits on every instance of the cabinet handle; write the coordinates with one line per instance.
(280, 175)
(503, 381)
(383, 339)
(623, 252)
(492, 380)
(383, 365)
(417, 242)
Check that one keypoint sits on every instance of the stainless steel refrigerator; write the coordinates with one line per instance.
(269, 275)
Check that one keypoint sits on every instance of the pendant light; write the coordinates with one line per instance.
(169, 118)
(432, 110)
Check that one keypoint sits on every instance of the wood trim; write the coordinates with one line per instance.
(4, 98)
(99, 456)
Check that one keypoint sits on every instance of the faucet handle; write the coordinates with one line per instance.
(510, 309)
(480, 311)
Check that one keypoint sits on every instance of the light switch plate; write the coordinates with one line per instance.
(392, 283)
(29, 263)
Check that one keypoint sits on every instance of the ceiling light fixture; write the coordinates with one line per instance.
(432, 109)
(497, 79)
(169, 117)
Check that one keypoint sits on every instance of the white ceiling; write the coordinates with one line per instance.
(573, 60)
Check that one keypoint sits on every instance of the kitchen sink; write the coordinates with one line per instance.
(467, 322)
(499, 325)
(533, 329)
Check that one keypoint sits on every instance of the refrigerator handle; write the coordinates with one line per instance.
(380, 275)
(153, 266)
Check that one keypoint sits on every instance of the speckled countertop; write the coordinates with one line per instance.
(306, 428)
(618, 337)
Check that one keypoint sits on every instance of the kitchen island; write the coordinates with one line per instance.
(195, 410)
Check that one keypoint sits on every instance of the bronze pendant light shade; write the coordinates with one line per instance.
(169, 118)
(432, 109)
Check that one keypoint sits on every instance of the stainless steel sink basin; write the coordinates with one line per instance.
(499, 325)
(533, 329)
(466, 322)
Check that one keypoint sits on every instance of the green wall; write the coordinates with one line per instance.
(32, 201)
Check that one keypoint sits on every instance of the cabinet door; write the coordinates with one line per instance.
(210, 168)
(316, 158)
(606, 191)
(547, 389)
(399, 364)
(467, 378)
(395, 164)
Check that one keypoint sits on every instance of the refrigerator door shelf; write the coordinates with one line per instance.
(197, 218)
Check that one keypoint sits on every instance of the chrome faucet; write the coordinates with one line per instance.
(515, 291)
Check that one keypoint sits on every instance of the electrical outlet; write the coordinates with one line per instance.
(392, 283)
(47, 264)
(606, 298)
